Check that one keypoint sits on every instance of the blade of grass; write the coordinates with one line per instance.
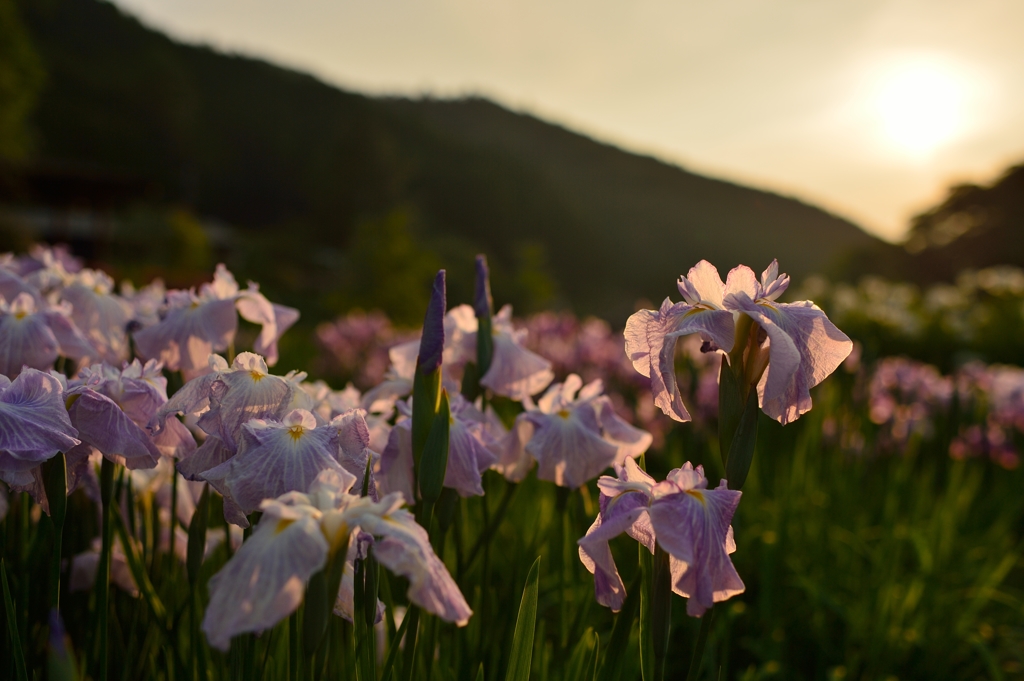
(526, 624)
(389, 663)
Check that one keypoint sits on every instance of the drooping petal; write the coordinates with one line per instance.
(265, 580)
(102, 424)
(619, 515)
(568, 446)
(353, 436)
(213, 452)
(516, 372)
(102, 317)
(805, 347)
(631, 441)
(274, 319)
(34, 423)
(512, 460)
(404, 548)
(26, 338)
(651, 337)
(395, 472)
(191, 331)
(693, 528)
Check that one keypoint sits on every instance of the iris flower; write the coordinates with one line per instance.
(793, 346)
(34, 334)
(194, 325)
(264, 581)
(275, 457)
(689, 521)
(227, 398)
(573, 437)
(470, 435)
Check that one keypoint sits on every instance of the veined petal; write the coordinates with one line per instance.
(184, 339)
(651, 337)
(404, 548)
(693, 527)
(516, 372)
(274, 458)
(805, 347)
(620, 515)
(512, 461)
(395, 472)
(102, 424)
(631, 441)
(34, 423)
(353, 451)
(568, 446)
(702, 284)
(265, 580)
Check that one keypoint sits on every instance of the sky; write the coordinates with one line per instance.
(870, 109)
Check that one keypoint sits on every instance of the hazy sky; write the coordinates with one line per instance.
(869, 108)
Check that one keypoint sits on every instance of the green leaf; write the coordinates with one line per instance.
(55, 477)
(646, 615)
(434, 462)
(582, 661)
(389, 662)
(741, 451)
(12, 626)
(526, 624)
(590, 670)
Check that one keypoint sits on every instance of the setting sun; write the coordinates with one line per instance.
(919, 105)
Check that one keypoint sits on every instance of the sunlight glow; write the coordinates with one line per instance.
(919, 104)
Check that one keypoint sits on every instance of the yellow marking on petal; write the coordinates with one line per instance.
(20, 314)
(564, 413)
(256, 376)
(283, 524)
(698, 495)
(296, 432)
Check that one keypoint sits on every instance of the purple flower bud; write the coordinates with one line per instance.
(482, 302)
(432, 342)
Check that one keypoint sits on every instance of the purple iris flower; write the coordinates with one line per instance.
(101, 315)
(273, 457)
(689, 521)
(226, 399)
(34, 334)
(34, 423)
(469, 439)
(573, 437)
(264, 582)
(194, 325)
(794, 349)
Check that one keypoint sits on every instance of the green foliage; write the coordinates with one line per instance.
(21, 77)
(300, 169)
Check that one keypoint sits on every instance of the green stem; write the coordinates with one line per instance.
(702, 640)
(103, 572)
(55, 481)
(412, 639)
